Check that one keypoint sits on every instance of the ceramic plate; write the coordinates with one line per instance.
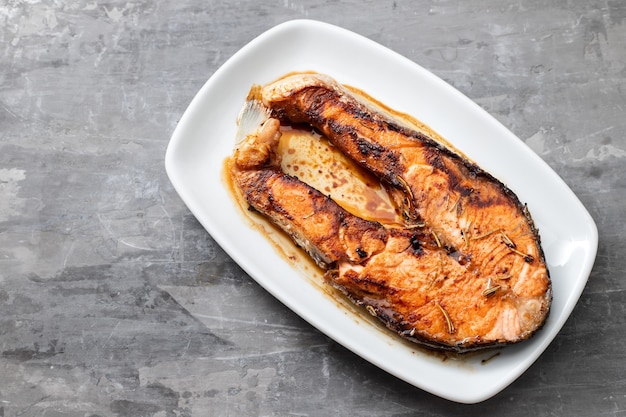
(205, 136)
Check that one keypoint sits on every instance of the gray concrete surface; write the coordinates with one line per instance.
(103, 268)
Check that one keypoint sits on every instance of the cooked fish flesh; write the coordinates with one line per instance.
(465, 271)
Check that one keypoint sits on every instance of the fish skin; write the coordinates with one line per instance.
(467, 272)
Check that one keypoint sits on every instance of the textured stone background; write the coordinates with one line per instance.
(103, 270)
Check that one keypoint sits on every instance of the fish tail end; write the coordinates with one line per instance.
(252, 115)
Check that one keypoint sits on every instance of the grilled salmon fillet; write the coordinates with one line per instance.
(465, 271)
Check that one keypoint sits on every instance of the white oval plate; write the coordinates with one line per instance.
(205, 136)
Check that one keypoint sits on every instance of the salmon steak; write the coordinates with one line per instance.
(462, 270)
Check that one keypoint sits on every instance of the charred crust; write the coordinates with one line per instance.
(315, 100)
(393, 127)
(435, 159)
(416, 246)
(366, 148)
(360, 112)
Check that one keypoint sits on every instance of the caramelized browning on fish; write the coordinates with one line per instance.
(465, 272)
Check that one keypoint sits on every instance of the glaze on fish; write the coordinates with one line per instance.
(465, 271)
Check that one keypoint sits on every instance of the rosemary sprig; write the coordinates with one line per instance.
(455, 203)
(507, 241)
(434, 278)
(513, 248)
(406, 187)
(465, 234)
(491, 290)
(451, 328)
(528, 258)
(484, 235)
(437, 241)
(410, 211)
(415, 225)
